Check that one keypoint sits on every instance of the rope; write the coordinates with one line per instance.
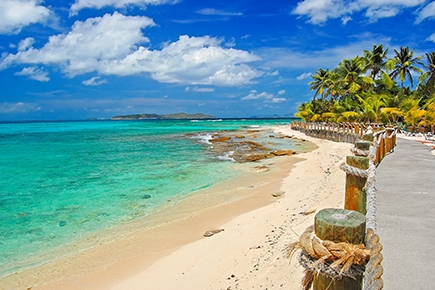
(336, 260)
(354, 171)
(374, 269)
(359, 152)
(370, 188)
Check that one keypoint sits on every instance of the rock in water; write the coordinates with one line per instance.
(211, 232)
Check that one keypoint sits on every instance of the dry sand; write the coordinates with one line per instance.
(248, 254)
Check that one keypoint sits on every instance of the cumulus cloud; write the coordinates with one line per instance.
(98, 4)
(110, 45)
(16, 14)
(94, 81)
(34, 73)
(428, 12)
(320, 11)
(19, 107)
(88, 43)
(266, 97)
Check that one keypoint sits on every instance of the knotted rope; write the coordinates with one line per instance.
(370, 188)
(336, 260)
(359, 152)
(374, 269)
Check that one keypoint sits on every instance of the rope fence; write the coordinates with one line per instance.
(342, 250)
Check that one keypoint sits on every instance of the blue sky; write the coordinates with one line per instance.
(100, 58)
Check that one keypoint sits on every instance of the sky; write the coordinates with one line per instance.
(79, 59)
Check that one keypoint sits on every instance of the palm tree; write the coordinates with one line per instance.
(372, 106)
(404, 64)
(351, 75)
(376, 60)
(392, 114)
(427, 79)
(305, 112)
(429, 116)
(412, 112)
(319, 83)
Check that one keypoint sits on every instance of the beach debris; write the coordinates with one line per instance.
(307, 212)
(262, 168)
(212, 232)
(278, 193)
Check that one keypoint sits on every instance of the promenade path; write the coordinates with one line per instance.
(406, 216)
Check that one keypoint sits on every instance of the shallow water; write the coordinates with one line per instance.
(64, 180)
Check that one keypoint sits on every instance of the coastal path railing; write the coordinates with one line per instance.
(342, 250)
(383, 137)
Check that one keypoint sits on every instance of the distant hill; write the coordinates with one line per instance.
(162, 117)
(275, 116)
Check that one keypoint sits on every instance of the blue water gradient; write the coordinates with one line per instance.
(64, 180)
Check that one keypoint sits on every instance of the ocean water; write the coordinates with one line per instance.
(60, 181)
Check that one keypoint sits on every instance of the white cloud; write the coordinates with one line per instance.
(266, 97)
(212, 11)
(304, 76)
(320, 11)
(345, 19)
(19, 107)
(431, 38)
(274, 73)
(16, 14)
(276, 100)
(202, 90)
(26, 43)
(375, 13)
(98, 4)
(281, 92)
(110, 45)
(427, 12)
(231, 42)
(88, 42)
(34, 73)
(94, 81)
(190, 60)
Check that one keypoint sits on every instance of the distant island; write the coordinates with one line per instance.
(163, 117)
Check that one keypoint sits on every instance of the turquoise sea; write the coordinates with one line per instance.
(60, 181)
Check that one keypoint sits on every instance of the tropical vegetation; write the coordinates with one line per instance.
(374, 88)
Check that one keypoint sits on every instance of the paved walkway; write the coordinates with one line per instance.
(406, 216)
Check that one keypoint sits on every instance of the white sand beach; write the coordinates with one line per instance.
(248, 254)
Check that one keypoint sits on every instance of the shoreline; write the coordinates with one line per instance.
(138, 256)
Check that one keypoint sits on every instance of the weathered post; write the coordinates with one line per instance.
(389, 140)
(339, 225)
(355, 196)
(382, 147)
(362, 145)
